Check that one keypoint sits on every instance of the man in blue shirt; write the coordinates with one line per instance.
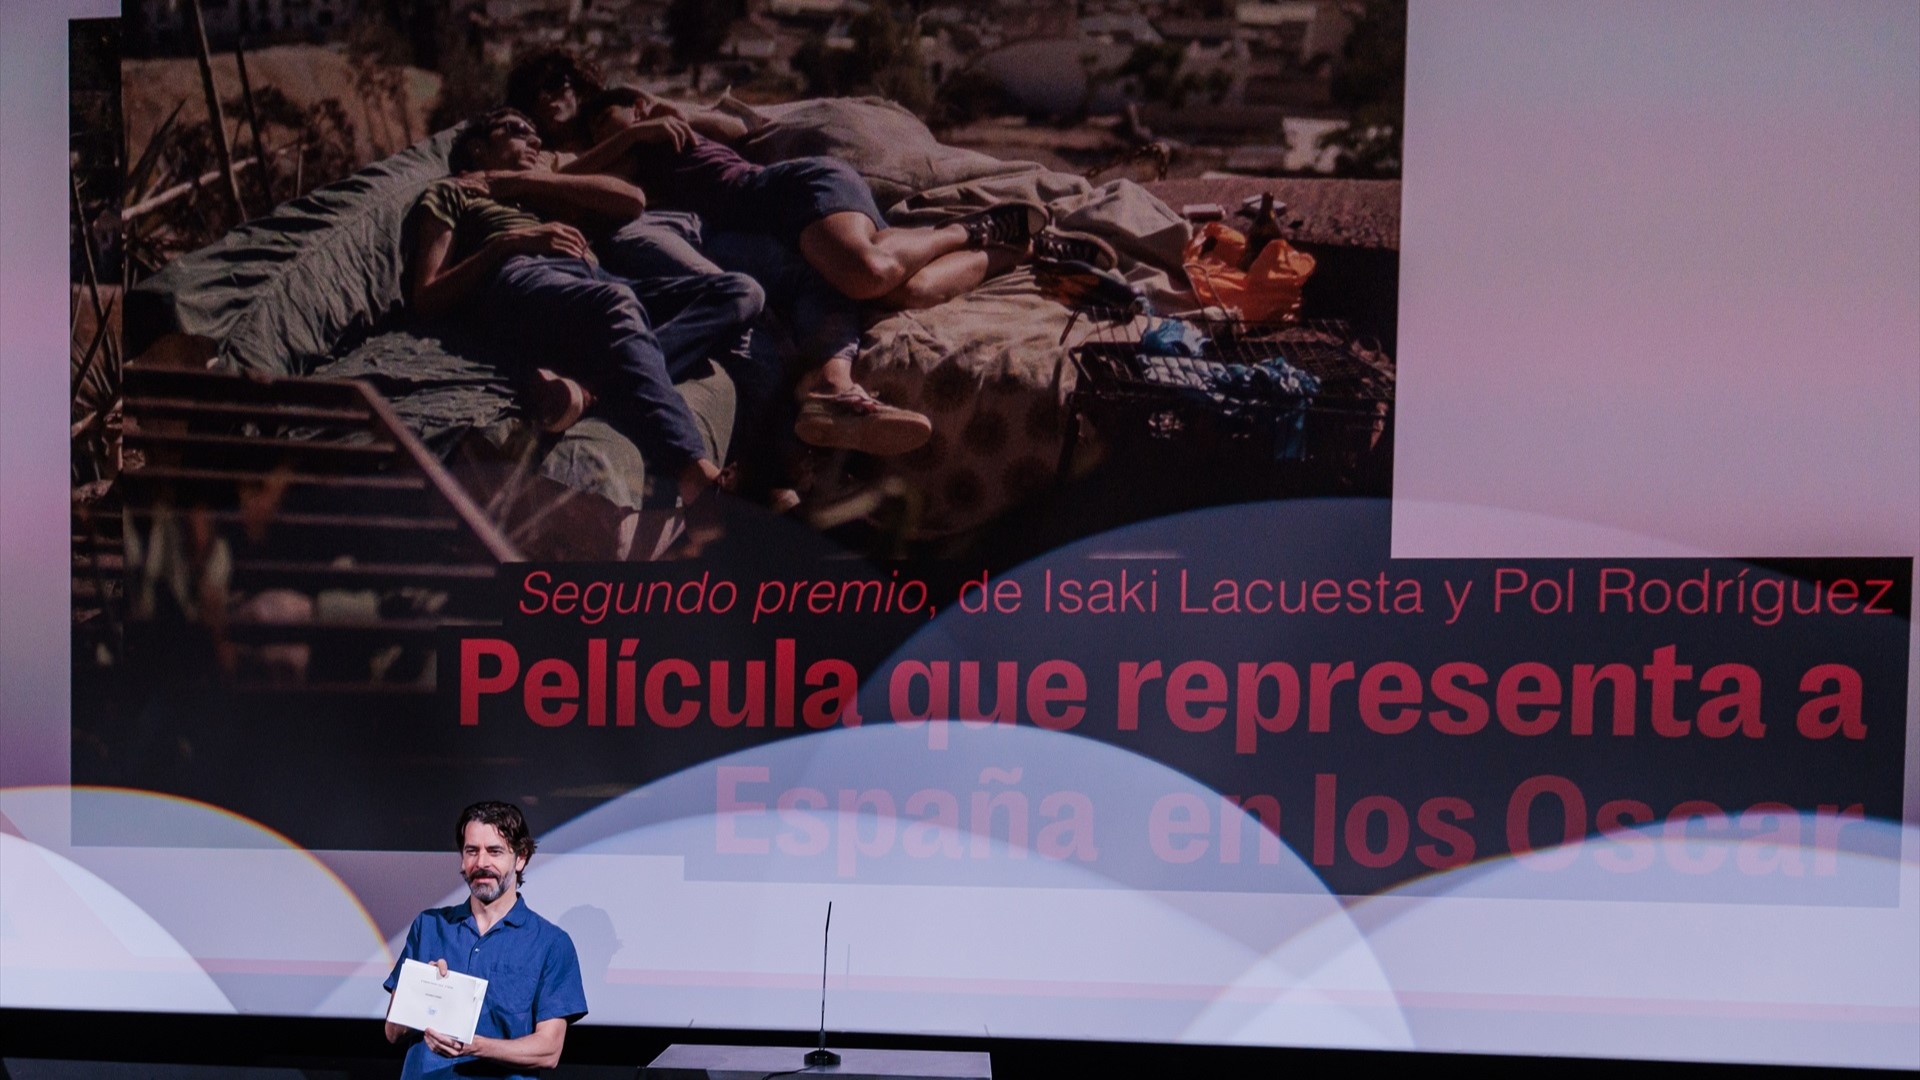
(532, 973)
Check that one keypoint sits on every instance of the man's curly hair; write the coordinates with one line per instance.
(508, 821)
(546, 69)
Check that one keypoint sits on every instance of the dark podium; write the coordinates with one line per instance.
(687, 1061)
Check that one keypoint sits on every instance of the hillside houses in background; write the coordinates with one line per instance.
(165, 26)
(1218, 72)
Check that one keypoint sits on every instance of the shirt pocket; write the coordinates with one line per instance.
(510, 994)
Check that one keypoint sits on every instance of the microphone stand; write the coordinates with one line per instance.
(822, 1055)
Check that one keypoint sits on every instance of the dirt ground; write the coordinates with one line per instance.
(383, 122)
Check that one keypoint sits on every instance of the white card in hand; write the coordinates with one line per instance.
(423, 999)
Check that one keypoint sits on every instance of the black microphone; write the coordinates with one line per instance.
(823, 1056)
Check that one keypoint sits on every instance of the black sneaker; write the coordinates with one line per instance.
(1058, 245)
(1006, 225)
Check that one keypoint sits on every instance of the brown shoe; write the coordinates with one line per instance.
(856, 420)
(1005, 225)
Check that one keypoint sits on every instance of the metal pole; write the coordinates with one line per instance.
(253, 123)
(215, 116)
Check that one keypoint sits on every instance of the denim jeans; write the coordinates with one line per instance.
(785, 198)
(812, 321)
(821, 321)
(626, 339)
(658, 243)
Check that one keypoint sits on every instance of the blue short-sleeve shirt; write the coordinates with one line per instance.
(531, 970)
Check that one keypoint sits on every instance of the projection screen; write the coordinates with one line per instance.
(1597, 738)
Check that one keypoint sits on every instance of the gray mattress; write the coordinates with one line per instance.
(315, 289)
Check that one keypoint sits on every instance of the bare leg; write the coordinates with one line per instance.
(833, 376)
(916, 247)
(866, 262)
(950, 276)
(947, 277)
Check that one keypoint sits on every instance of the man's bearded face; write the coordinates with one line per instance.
(487, 862)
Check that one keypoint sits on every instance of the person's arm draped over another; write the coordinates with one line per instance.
(441, 277)
(714, 124)
(603, 199)
(670, 134)
(438, 282)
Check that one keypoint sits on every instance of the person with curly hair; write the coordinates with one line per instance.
(534, 989)
(505, 238)
(819, 212)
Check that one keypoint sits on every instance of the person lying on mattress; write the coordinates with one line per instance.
(815, 206)
(504, 240)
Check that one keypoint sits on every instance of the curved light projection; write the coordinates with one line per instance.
(261, 918)
(1652, 977)
(967, 902)
(69, 940)
(1021, 940)
(1259, 954)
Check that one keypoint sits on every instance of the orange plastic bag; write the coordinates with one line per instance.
(1268, 291)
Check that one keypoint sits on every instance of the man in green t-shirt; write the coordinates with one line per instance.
(504, 240)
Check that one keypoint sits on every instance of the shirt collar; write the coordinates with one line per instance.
(515, 916)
